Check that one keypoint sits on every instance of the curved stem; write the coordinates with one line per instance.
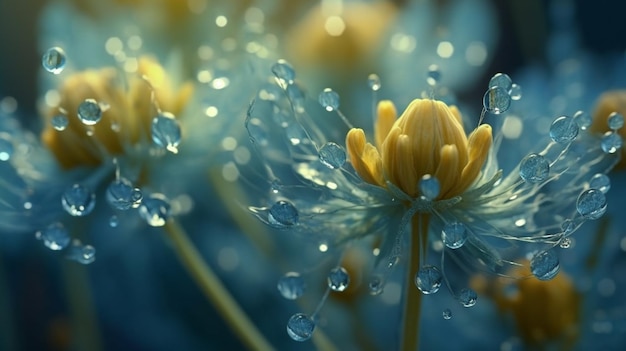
(214, 290)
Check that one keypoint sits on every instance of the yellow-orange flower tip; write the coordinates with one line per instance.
(608, 103)
(427, 139)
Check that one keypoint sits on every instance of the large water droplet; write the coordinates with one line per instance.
(291, 286)
(501, 80)
(447, 314)
(615, 121)
(83, 254)
(591, 204)
(545, 265)
(283, 214)
(515, 92)
(78, 200)
(583, 119)
(433, 76)
(564, 130)
(429, 187)
(89, 112)
(59, 122)
(53, 60)
(283, 70)
(454, 234)
(332, 155)
(329, 99)
(611, 142)
(373, 81)
(300, 327)
(497, 100)
(54, 236)
(534, 168)
(166, 131)
(601, 182)
(155, 210)
(467, 297)
(121, 194)
(428, 279)
(338, 279)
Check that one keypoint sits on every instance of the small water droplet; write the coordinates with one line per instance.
(59, 122)
(428, 279)
(454, 235)
(329, 99)
(433, 76)
(166, 132)
(83, 254)
(497, 100)
(515, 92)
(611, 142)
(501, 80)
(373, 81)
(300, 327)
(376, 285)
(545, 265)
(78, 200)
(601, 182)
(565, 243)
(429, 187)
(283, 70)
(89, 112)
(591, 204)
(534, 168)
(291, 286)
(583, 119)
(155, 210)
(283, 214)
(447, 314)
(563, 130)
(332, 155)
(114, 221)
(615, 121)
(467, 297)
(6, 147)
(55, 236)
(121, 194)
(338, 279)
(53, 60)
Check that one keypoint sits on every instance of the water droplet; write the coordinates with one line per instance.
(454, 234)
(155, 210)
(338, 279)
(283, 214)
(54, 236)
(615, 121)
(583, 119)
(501, 80)
(601, 182)
(447, 314)
(83, 254)
(467, 297)
(496, 100)
(611, 142)
(563, 130)
(565, 243)
(429, 187)
(515, 92)
(53, 60)
(591, 204)
(376, 285)
(89, 112)
(428, 279)
(59, 122)
(300, 327)
(534, 168)
(332, 155)
(373, 81)
(283, 70)
(166, 132)
(78, 200)
(291, 286)
(329, 99)
(121, 194)
(6, 147)
(545, 265)
(433, 76)
(114, 221)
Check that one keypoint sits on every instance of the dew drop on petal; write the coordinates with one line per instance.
(615, 121)
(433, 76)
(376, 285)
(329, 99)
(501, 80)
(563, 130)
(300, 327)
(534, 168)
(591, 204)
(583, 119)
(155, 210)
(429, 187)
(338, 279)
(89, 112)
(428, 279)
(53, 60)
(515, 92)
(611, 142)
(120, 194)
(467, 297)
(283, 214)
(497, 100)
(59, 122)
(447, 314)
(601, 182)
(291, 286)
(78, 200)
(545, 265)
(454, 234)
(373, 81)
(166, 131)
(54, 236)
(283, 70)
(332, 155)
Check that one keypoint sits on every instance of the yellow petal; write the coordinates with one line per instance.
(448, 171)
(479, 144)
(364, 157)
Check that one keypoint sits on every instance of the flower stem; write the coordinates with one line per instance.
(214, 290)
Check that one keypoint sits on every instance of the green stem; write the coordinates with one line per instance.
(214, 290)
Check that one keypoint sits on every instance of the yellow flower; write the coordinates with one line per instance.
(428, 139)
